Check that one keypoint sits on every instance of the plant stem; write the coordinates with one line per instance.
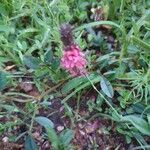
(33, 117)
(124, 46)
(78, 106)
(118, 115)
(147, 76)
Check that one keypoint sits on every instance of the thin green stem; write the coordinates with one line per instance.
(118, 115)
(78, 106)
(147, 76)
(122, 6)
(33, 117)
(124, 46)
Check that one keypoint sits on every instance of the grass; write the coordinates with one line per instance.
(30, 53)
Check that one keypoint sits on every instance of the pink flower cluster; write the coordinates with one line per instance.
(74, 60)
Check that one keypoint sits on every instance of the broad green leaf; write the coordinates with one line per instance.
(54, 139)
(107, 87)
(97, 23)
(48, 125)
(48, 57)
(41, 73)
(3, 10)
(138, 108)
(26, 31)
(141, 43)
(55, 63)
(31, 62)
(128, 139)
(3, 80)
(7, 29)
(95, 79)
(139, 123)
(45, 122)
(107, 56)
(75, 83)
(9, 108)
(139, 138)
(4, 59)
(66, 136)
(140, 22)
(30, 143)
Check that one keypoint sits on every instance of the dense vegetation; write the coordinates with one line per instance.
(42, 106)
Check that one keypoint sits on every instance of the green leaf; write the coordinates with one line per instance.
(42, 73)
(75, 83)
(139, 138)
(139, 123)
(3, 80)
(55, 63)
(54, 139)
(26, 31)
(97, 23)
(148, 118)
(30, 143)
(107, 56)
(3, 10)
(48, 57)
(31, 62)
(107, 87)
(9, 108)
(99, 101)
(48, 125)
(66, 136)
(94, 80)
(45, 122)
(141, 43)
(128, 139)
(7, 29)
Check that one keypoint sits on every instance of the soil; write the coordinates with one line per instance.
(90, 134)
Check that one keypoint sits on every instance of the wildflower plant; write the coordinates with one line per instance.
(73, 59)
